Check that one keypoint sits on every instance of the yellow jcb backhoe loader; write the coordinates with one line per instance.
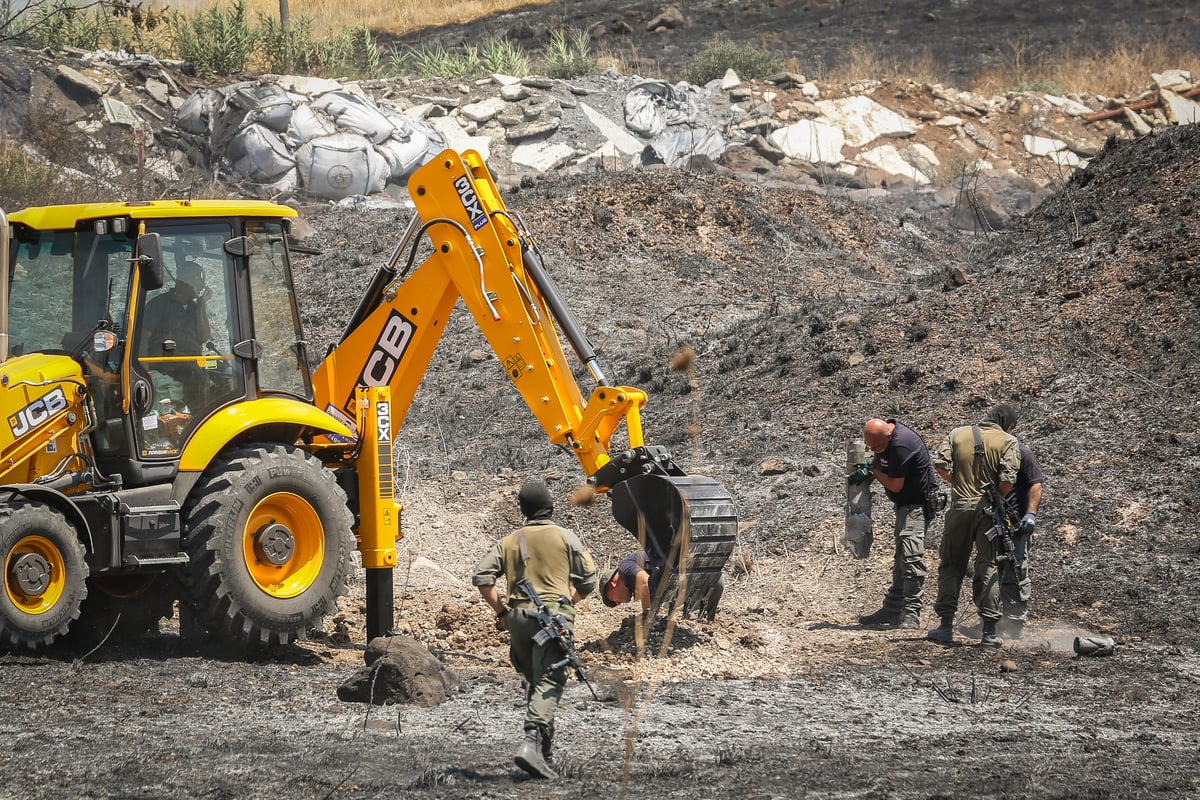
(165, 438)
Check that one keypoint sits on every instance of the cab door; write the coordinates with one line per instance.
(183, 366)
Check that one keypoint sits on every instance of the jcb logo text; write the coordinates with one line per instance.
(388, 351)
(37, 412)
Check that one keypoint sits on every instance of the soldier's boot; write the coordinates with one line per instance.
(943, 633)
(883, 618)
(529, 755)
(909, 620)
(989, 638)
(547, 745)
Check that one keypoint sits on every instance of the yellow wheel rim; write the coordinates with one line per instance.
(283, 544)
(34, 553)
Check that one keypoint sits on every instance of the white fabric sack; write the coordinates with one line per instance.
(677, 149)
(308, 124)
(285, 184)
(412, 144)
(195, 115)
(341, 165)
(258, 154)
(353, 113)
(652, 105)
(267, 105)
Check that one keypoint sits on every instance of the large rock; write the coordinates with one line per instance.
(399, 670)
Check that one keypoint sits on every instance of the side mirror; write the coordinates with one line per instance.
(149, 260)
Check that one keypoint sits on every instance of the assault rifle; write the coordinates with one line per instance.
(1004, 525)
(554, 629)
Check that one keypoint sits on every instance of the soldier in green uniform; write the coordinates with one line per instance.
(970, 457)
(555, 562)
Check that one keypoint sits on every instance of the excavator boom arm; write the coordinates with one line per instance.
(481, 255)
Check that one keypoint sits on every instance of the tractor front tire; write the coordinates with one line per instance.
(45, 574)
(269, 540)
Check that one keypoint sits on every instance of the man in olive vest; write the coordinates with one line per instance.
(554, 561)
(971, 457)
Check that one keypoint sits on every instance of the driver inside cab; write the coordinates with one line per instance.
(177, 333)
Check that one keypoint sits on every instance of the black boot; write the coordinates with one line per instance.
(529, 754)
(944, 633)
(989, 637)
(883, 618)
(547, 744)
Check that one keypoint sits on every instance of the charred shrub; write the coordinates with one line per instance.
(829, 363)
(908, 375)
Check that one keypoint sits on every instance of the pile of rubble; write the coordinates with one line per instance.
(291, 137)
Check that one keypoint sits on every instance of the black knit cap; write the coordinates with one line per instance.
(535, 500)
(1003, 415)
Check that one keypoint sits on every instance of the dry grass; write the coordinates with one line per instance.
(1122, 69)
(867, 62)
(27, 181)
(386, 16)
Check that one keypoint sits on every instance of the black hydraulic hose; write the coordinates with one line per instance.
(370, 299)
(562, 312)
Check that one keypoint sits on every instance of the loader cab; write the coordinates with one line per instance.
(173, 318)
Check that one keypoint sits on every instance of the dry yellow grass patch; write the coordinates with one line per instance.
(384, 16)
(866, 62)
(1122, 69)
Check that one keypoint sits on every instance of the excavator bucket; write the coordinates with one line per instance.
(688, 524)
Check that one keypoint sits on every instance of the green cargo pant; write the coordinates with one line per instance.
(1015, 586)
(908, 561)
(964, 529)
(544, 686)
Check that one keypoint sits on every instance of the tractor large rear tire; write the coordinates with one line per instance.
(269, 541)
(45, 574)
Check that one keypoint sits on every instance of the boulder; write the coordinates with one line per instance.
(399, 670)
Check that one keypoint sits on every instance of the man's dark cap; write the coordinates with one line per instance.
(535, 500)
(1003, 415)
(609, 583)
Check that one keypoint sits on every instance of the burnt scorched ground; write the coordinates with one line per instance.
(806, 314)
(964, 37)
(901, 727)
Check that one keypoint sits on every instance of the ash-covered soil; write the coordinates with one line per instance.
(807, 315)
(964, 38)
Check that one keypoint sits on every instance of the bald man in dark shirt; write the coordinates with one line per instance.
(903, 468)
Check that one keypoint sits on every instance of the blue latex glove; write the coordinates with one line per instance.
(1027, 523)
